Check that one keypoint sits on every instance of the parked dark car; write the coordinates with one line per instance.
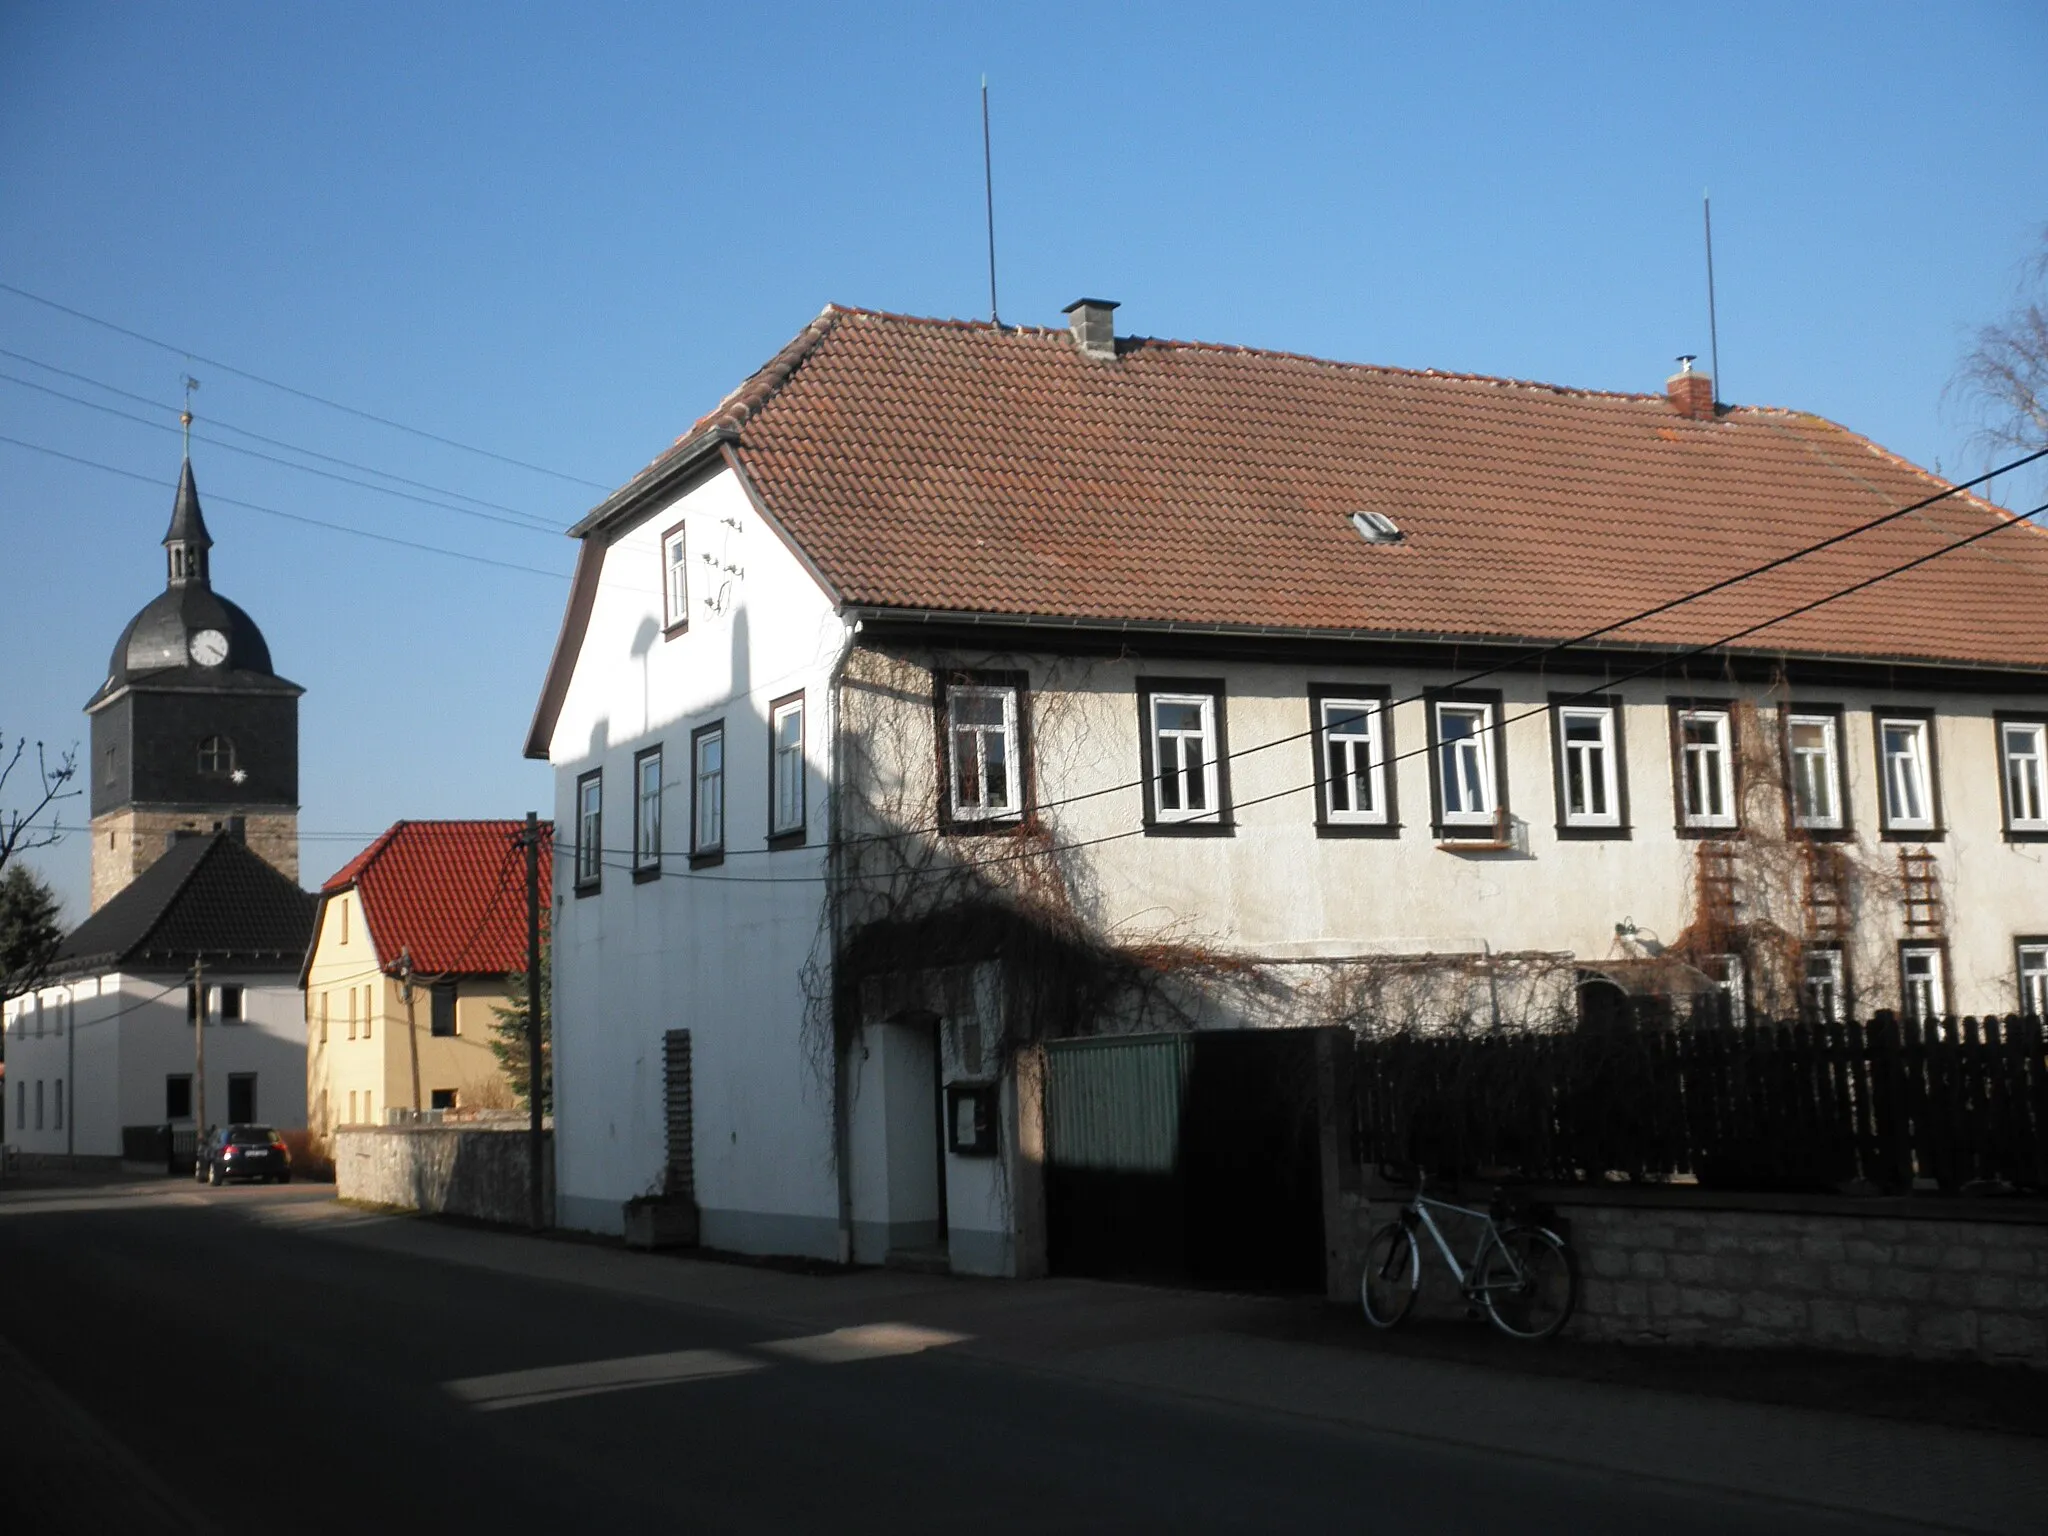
(243, 1152)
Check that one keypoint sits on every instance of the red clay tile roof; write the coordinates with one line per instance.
(949, 465)
(450, 892)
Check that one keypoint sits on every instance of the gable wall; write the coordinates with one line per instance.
(717, 951)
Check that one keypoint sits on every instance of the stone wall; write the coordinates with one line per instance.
(462, 1170)
(1933, 1279)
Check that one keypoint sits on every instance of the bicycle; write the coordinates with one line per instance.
(1523, 1273)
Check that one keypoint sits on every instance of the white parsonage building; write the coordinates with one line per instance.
(955, 697)
(104, 1051)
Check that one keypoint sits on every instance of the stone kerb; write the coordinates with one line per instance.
(457, 1170)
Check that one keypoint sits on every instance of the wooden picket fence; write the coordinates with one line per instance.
(1797, 1105)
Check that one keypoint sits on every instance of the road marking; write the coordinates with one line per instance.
(558, 1383)
(869, 1341)
(555, 1383)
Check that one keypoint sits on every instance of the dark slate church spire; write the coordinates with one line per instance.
(188, 541)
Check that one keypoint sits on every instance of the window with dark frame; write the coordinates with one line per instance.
(441, 1008)
(1468, 766)
(1908, 776)
(178, 1096)
(589, 831)
(1352, 740)
(1814, 785)
(1824, 986)
(2030, 957)
(1703, 765)
(1591, 777)
(647, 812)
(1184, 757)
(707, 792)
(675, 581)
(230, 1003)
(1923, 986)
(786, 808)
(2023, 776)
(984, 757)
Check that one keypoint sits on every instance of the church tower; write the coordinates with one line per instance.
(192, 731)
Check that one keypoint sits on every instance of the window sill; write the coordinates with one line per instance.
(710, 858)
(646, 874)
(1826, 834)
(1915, 835)
(1340, 829)
(680, 627)
(2026, 834)
(1708, 833)
(953, 825)
(1190, 829)
(584, 888)
(781, 841)
(1569, 834)
(1452, 843)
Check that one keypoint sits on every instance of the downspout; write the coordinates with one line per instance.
(842, 1132)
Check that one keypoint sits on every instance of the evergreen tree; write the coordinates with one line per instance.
(29, 928)
(508, 1035)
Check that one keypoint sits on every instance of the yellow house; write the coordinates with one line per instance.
(411, 948)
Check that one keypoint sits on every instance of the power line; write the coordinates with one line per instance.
(291, 517)
(275, 442)
(518, 520)
(257, 378)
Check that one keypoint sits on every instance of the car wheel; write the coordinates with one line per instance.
(215, 1177)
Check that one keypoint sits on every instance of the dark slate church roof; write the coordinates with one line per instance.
(155, 647)
(208, 898)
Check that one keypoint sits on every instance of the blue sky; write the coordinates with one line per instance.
(561, 233)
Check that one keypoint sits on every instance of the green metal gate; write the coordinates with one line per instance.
(1189, 1157)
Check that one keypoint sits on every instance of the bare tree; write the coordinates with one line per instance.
(2006, 374)
(22, 830)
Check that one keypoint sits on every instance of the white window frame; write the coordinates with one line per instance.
(589, 830)
(1474, 759)
(1801, 763)
(675, 578)
(786, 786)
(1911, 771)
(1339, 754)
(647, 811)
(2032, 961)
(2026, 798)
(1704, 767)
(1834, 979)
(1922, 974)
(1170, 760)
(707, 791)
(976, 737)
(1608, 750)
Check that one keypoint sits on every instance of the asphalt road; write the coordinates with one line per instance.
(274, 1379)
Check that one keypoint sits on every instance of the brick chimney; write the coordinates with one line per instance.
(1691, 394)
(1091, 322)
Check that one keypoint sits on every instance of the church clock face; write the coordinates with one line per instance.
(209, 648)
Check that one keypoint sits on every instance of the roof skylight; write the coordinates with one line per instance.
(1377, 528)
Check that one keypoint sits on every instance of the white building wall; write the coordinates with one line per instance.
(1274, 889)
(114, 1039)
(720, 951)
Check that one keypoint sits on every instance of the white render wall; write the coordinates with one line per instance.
(717, 951)
(114, 1039)
(1276, 890)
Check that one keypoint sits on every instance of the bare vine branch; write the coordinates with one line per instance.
(20, 831)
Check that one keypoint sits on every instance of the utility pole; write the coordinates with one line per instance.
(412, 1029)
(533, 1006)
(199, 1054)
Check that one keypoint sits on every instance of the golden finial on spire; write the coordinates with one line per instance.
(185, 417)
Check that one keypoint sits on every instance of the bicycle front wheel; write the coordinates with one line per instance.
(1393, 1271)
(1530, 1282)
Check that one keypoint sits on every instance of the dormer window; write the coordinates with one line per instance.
(216, 758)
(1377, 528)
